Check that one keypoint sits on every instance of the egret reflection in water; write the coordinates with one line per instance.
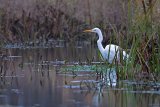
(111, 77)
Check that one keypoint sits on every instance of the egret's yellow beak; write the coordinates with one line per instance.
(87, 31)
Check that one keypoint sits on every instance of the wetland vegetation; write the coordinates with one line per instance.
(47, 59)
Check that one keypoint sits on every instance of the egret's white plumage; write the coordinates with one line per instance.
(111, 52)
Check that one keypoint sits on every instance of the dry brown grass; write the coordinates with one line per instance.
(25, 20)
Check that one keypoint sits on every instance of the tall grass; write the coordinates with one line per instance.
(144, 53)
(32, 20)
(40, 23)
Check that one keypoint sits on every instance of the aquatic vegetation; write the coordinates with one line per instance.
(89, 68)
(107, 75)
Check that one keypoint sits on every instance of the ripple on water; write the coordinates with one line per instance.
(17, 91)
(14, 76)
(72, 86)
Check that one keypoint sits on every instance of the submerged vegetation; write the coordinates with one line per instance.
(134, 25)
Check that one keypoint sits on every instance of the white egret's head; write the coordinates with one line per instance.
(95, 30)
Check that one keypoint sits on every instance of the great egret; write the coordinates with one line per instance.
(111, 52)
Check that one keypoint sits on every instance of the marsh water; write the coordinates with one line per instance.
(36, 77)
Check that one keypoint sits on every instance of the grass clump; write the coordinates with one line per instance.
(143, 37)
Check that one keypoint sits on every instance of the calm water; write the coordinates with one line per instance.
(33, 78)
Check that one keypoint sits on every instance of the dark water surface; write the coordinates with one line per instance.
(33, 78)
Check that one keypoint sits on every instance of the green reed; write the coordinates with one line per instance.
(140, 40)
(144, 50)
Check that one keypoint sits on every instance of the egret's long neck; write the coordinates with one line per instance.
(99, 42)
